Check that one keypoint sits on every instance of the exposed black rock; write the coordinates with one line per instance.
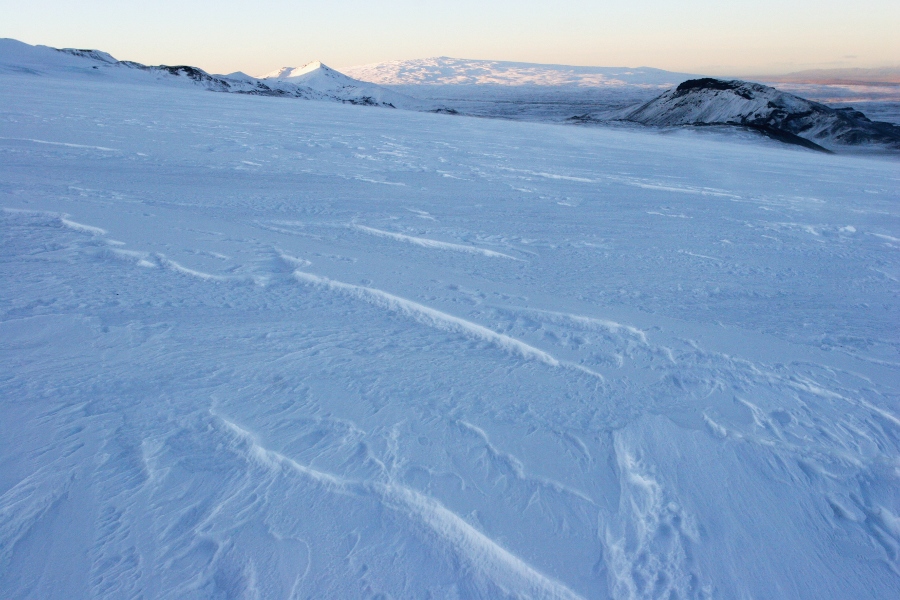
(708, 83)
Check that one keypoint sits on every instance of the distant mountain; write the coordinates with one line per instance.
(457, 71)
(517, 90)
(315, 81)
(324, 80)
(852, 76)
(765, 109)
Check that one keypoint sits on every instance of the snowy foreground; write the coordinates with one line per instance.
(264, 348)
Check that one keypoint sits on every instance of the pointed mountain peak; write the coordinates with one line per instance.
(308, 67)
(289, 72)
(277, 73)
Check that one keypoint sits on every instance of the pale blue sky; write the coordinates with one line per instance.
(709, 36)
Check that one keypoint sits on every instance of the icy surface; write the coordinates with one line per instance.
(264, 348)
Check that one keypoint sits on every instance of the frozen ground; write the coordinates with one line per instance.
(270, 348)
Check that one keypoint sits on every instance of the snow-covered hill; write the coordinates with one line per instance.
(710, 101)
(317, 82)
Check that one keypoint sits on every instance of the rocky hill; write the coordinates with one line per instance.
(780, 115)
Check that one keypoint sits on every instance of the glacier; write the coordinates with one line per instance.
(257, 348)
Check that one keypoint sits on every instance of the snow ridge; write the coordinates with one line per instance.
(430, 316)
(427, 243)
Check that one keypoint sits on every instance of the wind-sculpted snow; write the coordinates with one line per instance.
(492, 566)
(431, 317)
(428, 243)
(252, 351)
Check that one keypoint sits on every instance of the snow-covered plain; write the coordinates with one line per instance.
(259, 347)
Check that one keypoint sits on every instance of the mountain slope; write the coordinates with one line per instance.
(793, 119)
(324, 80)
(317, 82)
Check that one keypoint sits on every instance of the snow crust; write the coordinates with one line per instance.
(262, 349)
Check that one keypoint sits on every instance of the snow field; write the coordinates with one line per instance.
(542, 361)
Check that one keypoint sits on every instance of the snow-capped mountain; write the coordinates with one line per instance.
(518, 90)
(314, 81)
(324, 80)
(778, 114)
(457, 71)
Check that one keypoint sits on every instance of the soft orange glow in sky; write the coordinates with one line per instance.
(699, 36)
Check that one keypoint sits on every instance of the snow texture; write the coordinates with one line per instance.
(252, 348)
